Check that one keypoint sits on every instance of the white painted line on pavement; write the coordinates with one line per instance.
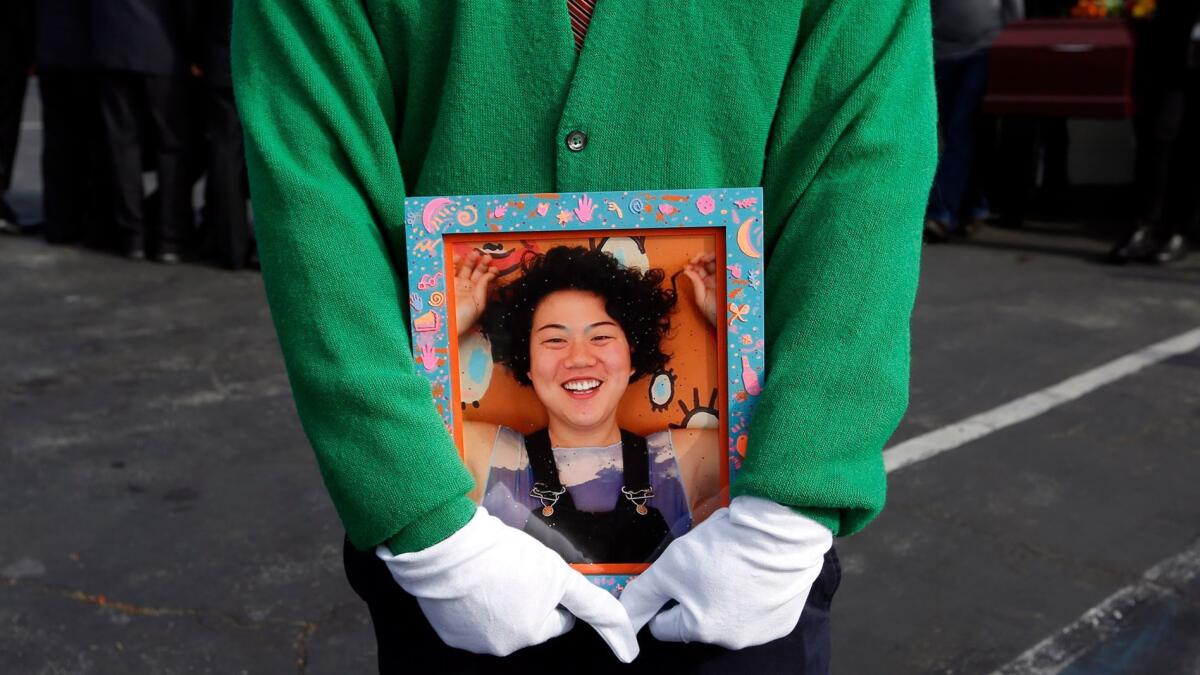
(1054, 654)
(977, 426)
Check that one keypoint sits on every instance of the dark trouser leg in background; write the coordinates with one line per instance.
(961, 84)
(121, 99)
(12, 100)
(14, 73)
(1167, 177)
(128, 99)
(1017, 149)
(225, 191)
(1158, 128)
(1056, 145)
(1187, 174)
(166, 96)
(68, 125)
(15, 57)
(1165, 173)
(977, 200)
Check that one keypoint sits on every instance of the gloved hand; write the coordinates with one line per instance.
(492, 589)
(741, 577)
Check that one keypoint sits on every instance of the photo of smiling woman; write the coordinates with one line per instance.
(578, 328)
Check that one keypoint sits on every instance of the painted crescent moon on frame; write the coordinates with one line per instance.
(744, 239)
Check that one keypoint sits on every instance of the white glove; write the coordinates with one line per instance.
(741, 577)
(492, 589)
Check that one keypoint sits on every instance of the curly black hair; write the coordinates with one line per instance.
(635, 299)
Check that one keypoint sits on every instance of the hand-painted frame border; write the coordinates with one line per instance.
(737, 211)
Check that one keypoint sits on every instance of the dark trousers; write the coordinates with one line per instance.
(74, 191)
(961, 84)
(407, 643)
(15, 57)
(143, 115)
(1031, 161)
(225, 188)
(1166, 124)
(1168, 143)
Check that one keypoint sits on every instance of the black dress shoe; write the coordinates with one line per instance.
(1174, 248)
(1138, 246)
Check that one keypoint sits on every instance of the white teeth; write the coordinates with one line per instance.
(581, 385)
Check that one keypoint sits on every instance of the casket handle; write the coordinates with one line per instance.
(1073, 48)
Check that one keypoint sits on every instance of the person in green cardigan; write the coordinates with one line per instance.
(350, 105)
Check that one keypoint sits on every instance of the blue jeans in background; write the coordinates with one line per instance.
(961, 84)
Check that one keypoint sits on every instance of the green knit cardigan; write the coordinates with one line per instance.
(350, 105)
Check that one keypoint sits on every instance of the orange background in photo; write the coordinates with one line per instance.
(692, 343)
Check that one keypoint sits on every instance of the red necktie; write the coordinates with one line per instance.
(581, 14)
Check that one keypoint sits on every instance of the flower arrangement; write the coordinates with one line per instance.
(1102, 9)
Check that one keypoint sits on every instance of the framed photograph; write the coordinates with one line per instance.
(596, 357)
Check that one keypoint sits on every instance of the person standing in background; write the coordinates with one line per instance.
(1167, 91)
(963, 31)
(227, 227)
(16, 55)
(140, 46)
(73, 190)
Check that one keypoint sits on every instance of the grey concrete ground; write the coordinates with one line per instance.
(161, 512)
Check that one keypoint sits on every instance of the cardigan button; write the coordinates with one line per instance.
(576, 141)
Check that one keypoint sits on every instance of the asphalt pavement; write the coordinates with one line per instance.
(161, 512)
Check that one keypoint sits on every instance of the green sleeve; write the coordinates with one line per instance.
(319, 107)
(847, 175)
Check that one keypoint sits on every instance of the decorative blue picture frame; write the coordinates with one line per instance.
(735, 211)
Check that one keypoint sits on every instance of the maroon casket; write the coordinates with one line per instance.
(1062, 68)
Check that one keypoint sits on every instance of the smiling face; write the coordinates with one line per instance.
(579, 362)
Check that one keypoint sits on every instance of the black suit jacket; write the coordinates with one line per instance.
(63, 36)
(215, 18)
(16, 35)
(143, 36)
